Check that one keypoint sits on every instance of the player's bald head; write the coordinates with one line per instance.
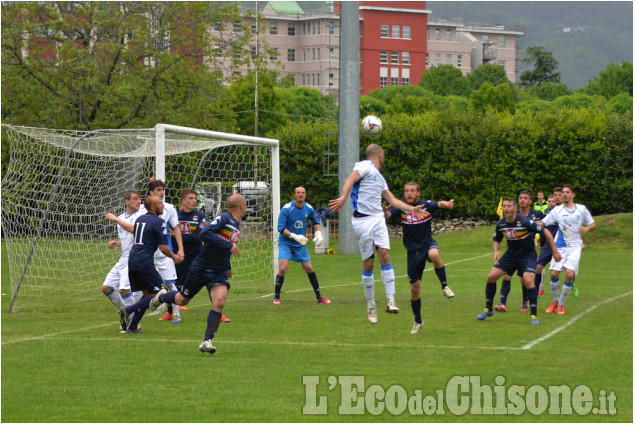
(235, 201)
(151, 202)
(373, 150)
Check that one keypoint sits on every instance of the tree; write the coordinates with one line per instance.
(87, 65)
(615, 79)
(304, 103)
(487, 73)
(445, 80)
(549, 90)
(411, 105)
(500, 98)
(270, 108)
(545, 66)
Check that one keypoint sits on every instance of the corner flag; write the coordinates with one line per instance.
(499, 210)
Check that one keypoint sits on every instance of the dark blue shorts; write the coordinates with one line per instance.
(417, 261)
(148, 279)
(545, 255)
(197, 279)
(512, 262)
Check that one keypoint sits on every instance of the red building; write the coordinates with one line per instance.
(393, 43)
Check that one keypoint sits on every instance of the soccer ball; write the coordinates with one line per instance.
(371, 124)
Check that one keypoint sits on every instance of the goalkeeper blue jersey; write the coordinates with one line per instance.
(295, 219)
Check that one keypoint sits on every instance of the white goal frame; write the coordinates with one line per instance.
(70, 143)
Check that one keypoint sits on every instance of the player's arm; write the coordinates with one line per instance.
(496, 247)
(390, 198)
(168, 253)
(448, 205)
(337, 204)
(124, 224)
(584, 229)
(114, 244)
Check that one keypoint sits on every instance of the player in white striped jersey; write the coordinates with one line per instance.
(165, 265)
(367, 188)
(116, 286)
(573, 220)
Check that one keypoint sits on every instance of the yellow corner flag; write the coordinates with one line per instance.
(499, 210)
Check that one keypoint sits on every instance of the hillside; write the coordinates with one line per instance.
(600, 32)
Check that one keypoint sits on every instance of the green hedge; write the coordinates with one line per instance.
(478, 158)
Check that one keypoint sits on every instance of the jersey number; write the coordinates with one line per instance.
(138, 233)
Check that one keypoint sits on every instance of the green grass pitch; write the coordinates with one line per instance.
(73, 365)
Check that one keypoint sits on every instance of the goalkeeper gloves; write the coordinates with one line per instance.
(302, 240)
(318, 238)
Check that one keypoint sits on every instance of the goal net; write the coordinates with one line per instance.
(59, 185)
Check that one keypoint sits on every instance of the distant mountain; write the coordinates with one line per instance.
(583, 36)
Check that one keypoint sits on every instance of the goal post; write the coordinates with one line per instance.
(59, 184)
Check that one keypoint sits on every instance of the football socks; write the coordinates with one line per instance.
(506, 286)
(565, 292)
(278, 285)
(314, 283)
(115, 298)
(490, 293)
(369, 287)
(213, 321)
(388, 277)
(532, 294)
(442, 278)
(555, 288)
(416, 309)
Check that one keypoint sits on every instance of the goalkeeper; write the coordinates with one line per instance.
(292, 241)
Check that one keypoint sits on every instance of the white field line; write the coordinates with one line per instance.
(142, 339)
(572, 321)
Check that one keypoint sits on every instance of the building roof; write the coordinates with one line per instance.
(285, 6)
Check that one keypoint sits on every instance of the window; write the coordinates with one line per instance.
(312, 79)
(308, 28)
(395, 31)
(331, 79)
(501, 42)
(291, 55)
(319, 54)
(253, 28)
(303, 55)
(303, 80)
(236, 74)
(405, 77)
(448, 59)
(217, 51)
(218, 26)
(427, 60)
(273, 56)
(384, 30)
(394, 77)
(383, 56)
(313, 29)
(405, 58)
(437, 34)
(383, 77)
(319, 27)
(394, 57)
(437, 59)
(331, 53)
(237, 55)
(237, 27)
(448, 34)
(459, 61)
(485, 38)
(253, 51)
(502, 63)
(313, 54)
(273, 28)
(331, 28)
(406, 31)
(291, 29)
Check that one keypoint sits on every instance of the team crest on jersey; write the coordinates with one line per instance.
(511, 234)
(410, 218)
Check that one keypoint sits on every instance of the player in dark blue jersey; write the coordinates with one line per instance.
(292, 223)
(520, 255)
(149, 234)
(544, 257)
(421, 247)
(524, 208)
(212, 267)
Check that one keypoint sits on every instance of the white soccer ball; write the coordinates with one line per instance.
(371, 124)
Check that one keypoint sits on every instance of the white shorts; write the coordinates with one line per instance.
(117, 277)
(570, 259)
(371, 233)
(166, 268)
